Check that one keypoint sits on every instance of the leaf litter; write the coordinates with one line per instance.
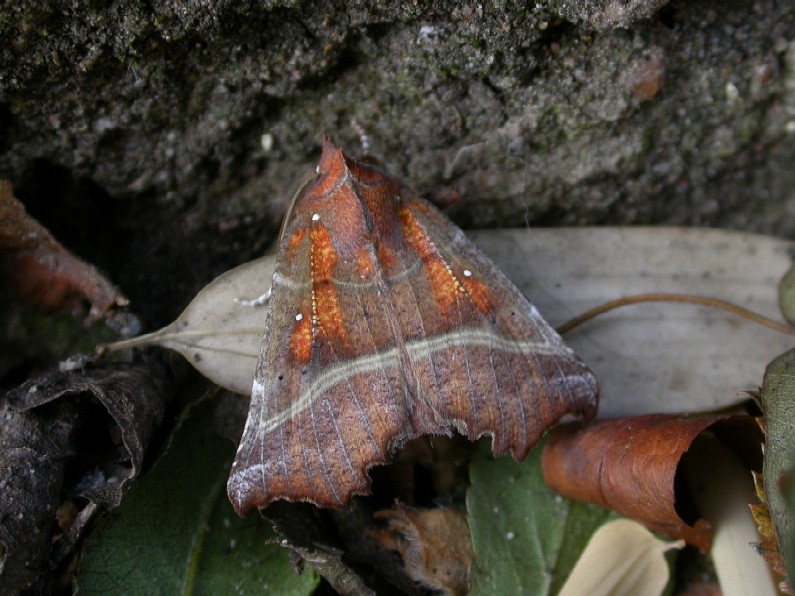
(694, 381)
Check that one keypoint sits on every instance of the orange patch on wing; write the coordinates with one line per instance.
(444, 285)
(326, 304)
(426, 210)
(364, 264)
(295, 242)
(387, 257)
(478, 292)
(301, 338)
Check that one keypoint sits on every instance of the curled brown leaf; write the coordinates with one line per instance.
(41, 271)
(630, 465)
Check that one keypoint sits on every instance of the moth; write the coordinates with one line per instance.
(385, 323)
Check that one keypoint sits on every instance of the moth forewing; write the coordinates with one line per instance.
(387, 323)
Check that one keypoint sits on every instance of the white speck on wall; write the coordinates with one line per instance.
(266, 142)
(428, 32)
(732, 93)
(103, 124)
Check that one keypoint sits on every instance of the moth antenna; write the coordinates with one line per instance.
(364, 139)
(289, 213)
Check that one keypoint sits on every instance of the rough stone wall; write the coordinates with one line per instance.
(162, 139)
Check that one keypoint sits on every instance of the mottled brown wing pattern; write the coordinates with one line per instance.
(315, 424)
(386, 323)
(507, 372)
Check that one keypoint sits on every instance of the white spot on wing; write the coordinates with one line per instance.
(299, 317)
(467, 273)
(315, 217)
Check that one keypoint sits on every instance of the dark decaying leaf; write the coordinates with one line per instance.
(631, 465)
(778, 403)
(434, 544)
(40, 270)
(77, 434)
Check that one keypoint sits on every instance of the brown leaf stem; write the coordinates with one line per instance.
(685, 298)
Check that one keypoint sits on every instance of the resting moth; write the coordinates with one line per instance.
(385, 323)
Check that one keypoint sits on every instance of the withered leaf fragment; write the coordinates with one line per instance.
(386, 323)
(95, 424)
(630, 465)
(39, 269)
(434, 543)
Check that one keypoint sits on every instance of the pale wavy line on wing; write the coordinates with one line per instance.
(417, 350)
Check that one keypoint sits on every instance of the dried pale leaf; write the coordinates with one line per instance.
(722, 488)
(218, 334)
(680, 358)
(630, 465)
(622, 559)
(41, 270)
(435, 546)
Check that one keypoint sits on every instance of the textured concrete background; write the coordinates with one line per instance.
(162, 140)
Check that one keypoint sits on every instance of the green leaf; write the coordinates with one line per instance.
(789, 496)
(786, 295)
(526, 538)
(176, 533)
(778, 403)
